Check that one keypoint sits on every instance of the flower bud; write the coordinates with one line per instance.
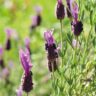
(60, 12)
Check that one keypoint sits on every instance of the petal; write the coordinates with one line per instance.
(24, 61)
(74, 9)
(48, 37)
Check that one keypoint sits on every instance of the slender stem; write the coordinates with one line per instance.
(27, 94)
(53, 77)
(61, 36)
(76, 61)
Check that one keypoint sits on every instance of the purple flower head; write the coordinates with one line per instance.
(51, 49)
(36, 21)
(27, 82)
(74, 9)
(48, 37)
(60, 11)
(25, 61)
(19, 91)
(77, 27)
(8, 32)
(1, 50)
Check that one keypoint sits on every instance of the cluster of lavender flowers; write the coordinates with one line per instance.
(72, 13)
(25, 57)
(5, 70)
(77, 27)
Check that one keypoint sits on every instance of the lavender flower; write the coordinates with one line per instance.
(19, 91)
(1, 58)
(27, 44)
(77, 25)
(38, 12)
(60, 12)
(8, 34)
(27, 84)
(50, 47)
(37, 19)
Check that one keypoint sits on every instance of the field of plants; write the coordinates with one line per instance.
(47, 47)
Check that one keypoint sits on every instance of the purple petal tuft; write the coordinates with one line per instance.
(48, 37)
(25, 60)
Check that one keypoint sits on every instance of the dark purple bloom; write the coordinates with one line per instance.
(27, 84)
(77, 27)
(8, 41)
(60, 12)
(8, 44)
(36, 21)
(39, 19)
(50, 47)
(1, 57)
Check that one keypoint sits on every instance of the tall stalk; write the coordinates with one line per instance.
(61, 36)
(27, 94)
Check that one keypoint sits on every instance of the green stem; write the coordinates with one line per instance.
(27, 94)
(61, 36)
(53, 79)
(76, 49)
